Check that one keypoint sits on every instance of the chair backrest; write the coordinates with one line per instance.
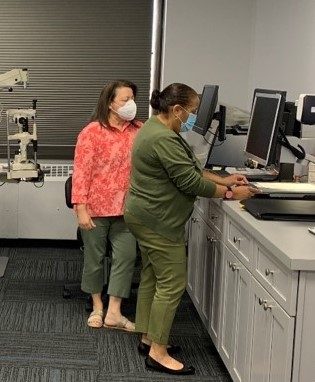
(68, 192)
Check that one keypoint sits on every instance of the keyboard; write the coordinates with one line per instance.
(261, 177)
(220, 172)
(254, 174)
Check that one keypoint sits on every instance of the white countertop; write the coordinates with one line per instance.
(290, 242)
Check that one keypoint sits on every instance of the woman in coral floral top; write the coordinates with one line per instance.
(99, 186)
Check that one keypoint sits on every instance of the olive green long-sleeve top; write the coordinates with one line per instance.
(166, 177)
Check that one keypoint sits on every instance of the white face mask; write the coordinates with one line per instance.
(128, 111)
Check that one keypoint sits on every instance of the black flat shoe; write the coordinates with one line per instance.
(144, 349)
(151, 364)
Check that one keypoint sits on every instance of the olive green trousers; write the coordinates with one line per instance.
(123, 256)
(163, 281)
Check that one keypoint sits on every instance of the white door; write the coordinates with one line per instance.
(228, 307)
(234, 340)
(270, 356)
(201, 231)
(241, 336)
(193, 249)
(213, 298)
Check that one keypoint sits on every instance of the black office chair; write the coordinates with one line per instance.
(69, 288)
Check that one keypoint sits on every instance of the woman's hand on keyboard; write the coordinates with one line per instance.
(235, 180)
(244, 192)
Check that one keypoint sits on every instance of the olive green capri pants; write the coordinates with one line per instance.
(123, 244)
(163, 281)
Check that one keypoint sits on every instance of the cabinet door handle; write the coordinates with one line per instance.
(236, 239)
(266, 306)
(235, 267)
(268, 272)
(194, 220)
(213, 217)
(261, 301)
(211, 239)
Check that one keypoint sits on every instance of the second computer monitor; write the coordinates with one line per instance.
(208, 103)
(264, 124)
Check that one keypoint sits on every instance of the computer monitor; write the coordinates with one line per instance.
(206, 112)
(265, 121)
(230, 153)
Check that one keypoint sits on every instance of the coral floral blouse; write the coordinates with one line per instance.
(102, 164)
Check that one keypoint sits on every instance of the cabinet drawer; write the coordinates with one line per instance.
(215, 216)
(239, 242)
(202, 205)
(280, 281)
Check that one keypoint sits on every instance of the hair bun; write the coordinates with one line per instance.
(155, 100)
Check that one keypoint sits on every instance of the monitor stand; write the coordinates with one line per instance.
(3, 264)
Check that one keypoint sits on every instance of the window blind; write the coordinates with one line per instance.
(71, 49)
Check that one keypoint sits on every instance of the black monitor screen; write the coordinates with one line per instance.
(263, 127)
(208, 103)
(230, 153)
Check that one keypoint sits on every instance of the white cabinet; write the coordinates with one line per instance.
(271, 331)
(200, 255)
(204, 273)
(233, 341)
(239, 242)
(246, 298)
(193, 255)
(38, 211)
(43, 214)
(212, 292)
(202, 206)
(279, 281)
(9, 210)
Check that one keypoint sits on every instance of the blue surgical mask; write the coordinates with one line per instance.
(189, 124)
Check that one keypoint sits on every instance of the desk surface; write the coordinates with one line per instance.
(290, 242)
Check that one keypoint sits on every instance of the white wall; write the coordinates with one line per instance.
(283, 55)
(240, 45)
(209, 41)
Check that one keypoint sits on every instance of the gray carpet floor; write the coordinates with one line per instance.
(44, 338)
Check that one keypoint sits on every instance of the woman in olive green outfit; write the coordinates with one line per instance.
(165, 180)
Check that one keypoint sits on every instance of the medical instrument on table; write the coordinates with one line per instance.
(21, 167)
(12, 78)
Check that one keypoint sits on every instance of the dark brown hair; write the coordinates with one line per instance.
(174, 94)
(108, 93)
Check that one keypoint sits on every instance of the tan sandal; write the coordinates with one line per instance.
(123, 324)
(95, 319)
